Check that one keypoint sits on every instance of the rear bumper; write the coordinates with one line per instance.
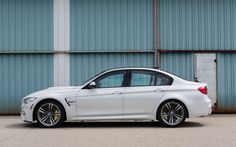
(200, 108)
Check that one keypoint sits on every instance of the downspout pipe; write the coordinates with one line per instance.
(156, 33)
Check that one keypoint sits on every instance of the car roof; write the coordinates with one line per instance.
(135, 68)
(129, 68)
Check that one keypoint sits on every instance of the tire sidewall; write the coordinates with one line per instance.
(161, 120)
(61, 110)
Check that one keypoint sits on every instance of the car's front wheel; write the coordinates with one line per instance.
(50, 114)
(172, 113)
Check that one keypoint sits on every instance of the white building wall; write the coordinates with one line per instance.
(61, 23)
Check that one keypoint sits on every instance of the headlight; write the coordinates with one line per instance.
(29, 99)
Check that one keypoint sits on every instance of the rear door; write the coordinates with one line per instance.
(144, 91)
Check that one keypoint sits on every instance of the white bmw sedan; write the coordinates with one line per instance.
(120, 94)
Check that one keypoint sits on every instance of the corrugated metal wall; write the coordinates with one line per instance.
(20, 75)
(226, 82)
(180, 64)
(198, 24)
(112, 33)
(25, 26)
(206, 26)
(104, 29)
(111, 25)
(85, 66)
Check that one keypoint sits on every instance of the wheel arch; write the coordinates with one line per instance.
(172, 99)
(44, 100)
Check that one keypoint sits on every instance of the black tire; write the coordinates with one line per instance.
(53, 113)
(163, 113)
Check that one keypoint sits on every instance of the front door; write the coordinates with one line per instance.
(104, 100)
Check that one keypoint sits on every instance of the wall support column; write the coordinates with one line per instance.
(61, 24)
(156, 33)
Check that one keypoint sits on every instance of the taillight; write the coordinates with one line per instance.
(203, 89)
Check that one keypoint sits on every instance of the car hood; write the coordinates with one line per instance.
(57, 91)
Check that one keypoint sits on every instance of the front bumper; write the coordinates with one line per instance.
(27, 112)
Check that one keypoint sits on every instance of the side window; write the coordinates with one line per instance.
(162, 80)
(142, 78)
(114, 79)
(149, 78)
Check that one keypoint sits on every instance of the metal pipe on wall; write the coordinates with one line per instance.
(156, 32)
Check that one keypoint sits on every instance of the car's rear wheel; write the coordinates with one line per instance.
(50, 114)
(172, 113)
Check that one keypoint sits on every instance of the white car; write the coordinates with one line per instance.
(120, 94)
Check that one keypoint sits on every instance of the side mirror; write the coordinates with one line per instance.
(92, 85)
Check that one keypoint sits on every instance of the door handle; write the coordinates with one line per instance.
(159, 90)
(117, 92)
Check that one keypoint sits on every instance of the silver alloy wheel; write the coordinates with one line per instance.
(172, 113)
(49, 114)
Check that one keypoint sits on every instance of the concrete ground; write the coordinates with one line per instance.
(211, 131)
